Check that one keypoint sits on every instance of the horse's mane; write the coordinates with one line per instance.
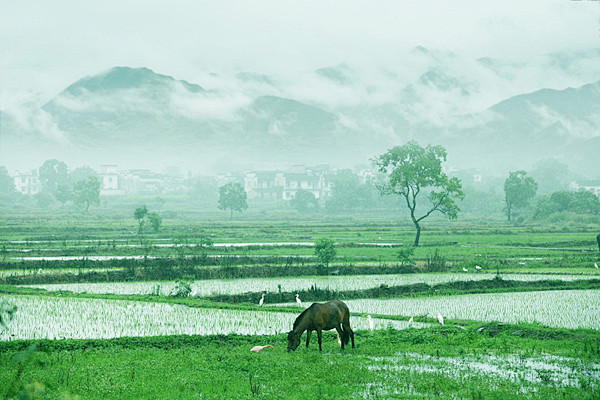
(297, 321)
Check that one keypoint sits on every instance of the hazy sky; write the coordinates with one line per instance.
(47, 45)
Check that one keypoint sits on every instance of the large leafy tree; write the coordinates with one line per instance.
(304, 201)
(348, 193)
(232, 196)
(81, 173)
(519, 189)
(52, 173)
(411, 172)
(87, 192)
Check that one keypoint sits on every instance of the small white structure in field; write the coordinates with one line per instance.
(440, 318)
(256, 349)
(298, 301)
(261, 301)
(371, 323)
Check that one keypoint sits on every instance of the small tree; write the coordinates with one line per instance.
(325, 250)
(519, 189)
(155, 221)
(232, 196)
(87, 192)
(412, 170)
(304, 201)
(140, 214)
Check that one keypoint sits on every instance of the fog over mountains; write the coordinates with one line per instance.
(491, 114)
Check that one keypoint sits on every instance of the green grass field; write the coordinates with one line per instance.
(485, 350)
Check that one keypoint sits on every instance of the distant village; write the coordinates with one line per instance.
(266, 185)
(259, 185)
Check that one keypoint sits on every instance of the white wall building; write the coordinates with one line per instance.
(28, 182)
(590, 186)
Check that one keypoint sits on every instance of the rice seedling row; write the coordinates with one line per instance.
(40, 317)
(571, 309)
(203, 288)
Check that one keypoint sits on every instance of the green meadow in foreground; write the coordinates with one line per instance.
(486, 361)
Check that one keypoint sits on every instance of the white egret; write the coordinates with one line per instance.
(261, 301)
(298, 301)
(410, 321)
(371, 323)
(596, 265)
(478, 268)
(465, 270)
(440, 318)
(256, 349)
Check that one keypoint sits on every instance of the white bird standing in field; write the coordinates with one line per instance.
(465, 270)
(298, 301)
(371, 323)
(478, 268)
(256, 349)
(596, 265)
(261, 301)
(410, 321)
(440, 318)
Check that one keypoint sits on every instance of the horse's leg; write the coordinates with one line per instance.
(349, 330)
(319, 337)
(340, 332)
(308, 332)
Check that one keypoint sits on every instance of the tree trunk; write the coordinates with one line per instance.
(231, 216)
(418, 235)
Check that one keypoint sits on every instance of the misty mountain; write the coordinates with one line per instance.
(343, 115)
(544, 124)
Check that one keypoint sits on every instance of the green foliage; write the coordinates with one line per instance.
(63, 193)
(325, 250)
(81, 174)
(140, 214)
(304, 201)
(87, 192)
(182, 289)
(519, 189)
(348, 193)
(43, 200)
(404, 255)
(8, 192)
(52, 173)
(232, 196)
(436, 262)
(563, 201)
(412, 170)
(155, 221)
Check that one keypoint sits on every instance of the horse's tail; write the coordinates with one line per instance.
(345, 336)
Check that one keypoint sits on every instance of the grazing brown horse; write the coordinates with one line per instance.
(322, 317)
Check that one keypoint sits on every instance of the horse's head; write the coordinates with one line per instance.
(293, 341)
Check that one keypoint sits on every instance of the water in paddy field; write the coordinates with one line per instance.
(70, 318)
